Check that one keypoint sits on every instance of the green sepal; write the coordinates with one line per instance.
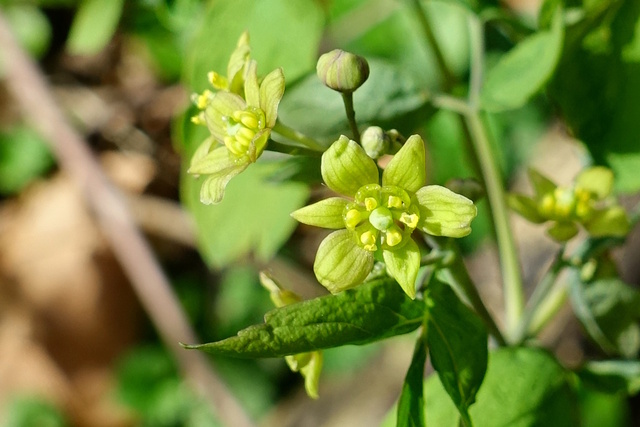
(612, 221)
(371, 312)
(340, 263)
(346, 167)
(562, 231)
(251, 88)
(199, 161)
(407, 168)
(271, 92)
(526, 207)
(326, 213)
(444, 213)
(237, 61)
(403, 265)
(223, 104)
(597, 180)
(541, 184)
(310, 366)
(212, 190)
(279, 296)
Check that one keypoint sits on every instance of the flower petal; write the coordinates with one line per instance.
(258, 143)
(222, 105)
(407, 168)
(346, 167)
(597, 180)
(326, 213)
(444, 213)
(271, 92)
(213, 162)
(562, 231)
(403, 265)
(311, 373)
(612, 221)
(340, 263)
(251, 88)
(220, 167)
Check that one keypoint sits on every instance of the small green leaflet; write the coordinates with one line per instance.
(612, 376)
(373, 311)
(457, 345)
(411, 402)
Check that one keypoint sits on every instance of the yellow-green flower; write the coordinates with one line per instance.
(308, 364)
(242, 125)
(587, 202)
(380, 215)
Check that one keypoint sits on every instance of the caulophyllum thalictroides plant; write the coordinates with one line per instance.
(391, 263)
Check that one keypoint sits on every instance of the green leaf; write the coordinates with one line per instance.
(523, 387)
(457, 345)
(597, 86)
(407, 168)
(293, 46)
(609, 309)
(411, 402)
(346, 167)
(253, 217)
(93, 26)
(524, 70)
(371, 312)
(326, 213)
(24, 156)
(340, 263)
(612, 376)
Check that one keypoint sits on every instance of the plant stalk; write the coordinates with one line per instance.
(347, 98)
(296, 136)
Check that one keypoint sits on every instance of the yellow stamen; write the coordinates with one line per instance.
(394, 202)
(246, 133)
(393, 237)
(370, 203)
(368, 239)
(352, 218)
(410, 220)
(249, 120)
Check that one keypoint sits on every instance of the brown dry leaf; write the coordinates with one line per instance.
(61, 279)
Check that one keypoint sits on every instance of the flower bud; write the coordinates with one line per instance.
(342, 71)
(375, 142)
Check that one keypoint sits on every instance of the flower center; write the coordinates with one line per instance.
(566, 204)
(242, 127)
(381, 217)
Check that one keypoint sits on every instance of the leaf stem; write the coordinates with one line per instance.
(539, 297)
(296, 136)
(347, 98)
(449, 79)
(293, 150)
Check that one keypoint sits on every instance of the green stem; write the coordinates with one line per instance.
(538, 299)
(548, 308)
(460, 279)
(296, 136)
(291, 149)
(347, 97)
(449, 79)
(509, 263)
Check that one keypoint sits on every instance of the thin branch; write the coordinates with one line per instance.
(28, 87)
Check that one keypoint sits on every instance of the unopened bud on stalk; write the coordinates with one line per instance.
(342, 71)
(375, 142)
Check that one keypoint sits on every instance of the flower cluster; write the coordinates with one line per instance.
(240, 116)
(380, 216)
(587, 202)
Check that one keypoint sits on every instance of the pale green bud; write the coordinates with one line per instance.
(375, 142)
(342, 71)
